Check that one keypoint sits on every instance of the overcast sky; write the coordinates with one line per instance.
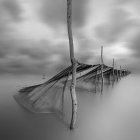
(33, 34)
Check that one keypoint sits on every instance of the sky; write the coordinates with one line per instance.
(34, 40)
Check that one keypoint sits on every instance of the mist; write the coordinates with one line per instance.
(113, 115)
(34, 42)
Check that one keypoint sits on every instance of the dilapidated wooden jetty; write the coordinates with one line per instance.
(48, 97)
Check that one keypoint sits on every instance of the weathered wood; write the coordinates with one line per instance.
(102, 76)
(74, 65)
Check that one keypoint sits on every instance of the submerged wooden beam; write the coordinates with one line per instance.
(102, 76)
(74, 65)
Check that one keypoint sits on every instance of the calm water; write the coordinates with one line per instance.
(113, 116)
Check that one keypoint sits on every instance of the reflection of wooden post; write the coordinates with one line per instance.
(116, 71)
(109, 78)
(113, 73)
(102, 76)
(98, 77)
(96, 81)
(63, 94)
(74, 65)
(120, 72)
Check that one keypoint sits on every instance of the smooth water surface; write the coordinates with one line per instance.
(115, 115)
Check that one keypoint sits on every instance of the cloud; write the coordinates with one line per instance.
(119, 23)
(12, 9)
(38, 57)
(20, 56)
(10, 12)
(134, 45)
(35, 56)
(128, 1)
(85, 50)
(53, 12)
(25, 57)
(122, 27)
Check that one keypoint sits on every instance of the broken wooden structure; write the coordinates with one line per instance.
(48, 97)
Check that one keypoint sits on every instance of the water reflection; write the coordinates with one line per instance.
(113, 116)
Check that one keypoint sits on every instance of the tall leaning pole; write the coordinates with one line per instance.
(74, 65)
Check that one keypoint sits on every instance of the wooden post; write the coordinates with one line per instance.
(102, 76)
(74, 65)
(113, 73)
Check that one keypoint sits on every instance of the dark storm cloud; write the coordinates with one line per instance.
(37, 57)
(53, 12)
(14, 61)
(23, 57)
(21, 66)
(12, 8)
(119, 23)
